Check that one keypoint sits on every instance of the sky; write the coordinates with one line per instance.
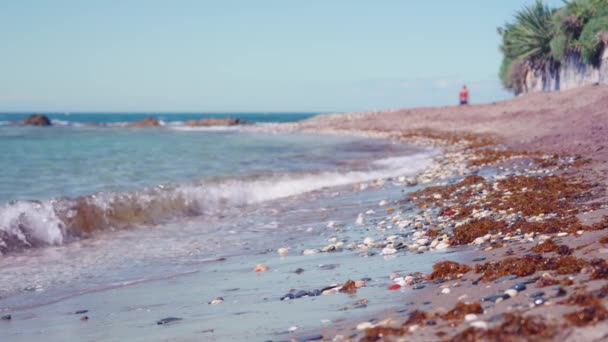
(248, 55)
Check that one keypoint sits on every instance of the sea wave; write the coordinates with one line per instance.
(27, 224)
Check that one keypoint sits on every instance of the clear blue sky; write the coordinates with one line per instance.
(262, 55)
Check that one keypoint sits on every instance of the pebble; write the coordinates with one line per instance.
(260, 268)
(292, 329)
(216, 301)
(383, 203)
(388, 251)
(6, 317)
(495, 298)
(442, 245)
(562, 234)
(519, 286)
(446, 291)
(312, 337)
(368, 241)
(310, 251)
(80, 312)
(511, 293)
(364, 325)
(479, 259)
(480, 325)
(168, 320)
(418, 286)
(360, 220)
(283, 251)
(470, 317)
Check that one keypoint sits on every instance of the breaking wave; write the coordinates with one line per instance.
(26, 224)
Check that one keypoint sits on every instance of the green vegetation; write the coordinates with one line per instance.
(541, 37)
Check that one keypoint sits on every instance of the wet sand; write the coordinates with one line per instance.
(553, 142)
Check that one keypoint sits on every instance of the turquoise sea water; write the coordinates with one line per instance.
(88, 213)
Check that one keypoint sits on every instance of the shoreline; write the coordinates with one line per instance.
(507, 319)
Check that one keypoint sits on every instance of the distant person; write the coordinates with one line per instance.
(464, 95)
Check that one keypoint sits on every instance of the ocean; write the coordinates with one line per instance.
(137, 223)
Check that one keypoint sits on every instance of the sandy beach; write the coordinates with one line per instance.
(526, 211)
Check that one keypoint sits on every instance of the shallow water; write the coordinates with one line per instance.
(207, 206)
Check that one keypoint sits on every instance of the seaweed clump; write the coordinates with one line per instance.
(550, 246)
(468, 232)
(528, 265)
(514, 327)
(437, 194)
(589, 315)
(448, 270)
(462, 309)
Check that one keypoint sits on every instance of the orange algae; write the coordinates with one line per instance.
(528, 265)
(514, 327)
(349, 287)
(447, 270)
(468, 232)
(461, 309)
(587, 316)
(550, 246)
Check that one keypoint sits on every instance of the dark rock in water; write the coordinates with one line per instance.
(299, 271)
(328, 266)
(494, 298)
(37, 120)
(168, 320)
(479, 259)
(147, 122)
(6, 317)
(505, 278)
(561, 292)
(312, 337)
(80, 312)
(301, 294)
(209, 122)
(288, 296)
(537, 294)
(418, 286)
(521, 286)
(315, 292)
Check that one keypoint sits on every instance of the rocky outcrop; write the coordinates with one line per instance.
(215, 122)
(147, 122)
(570, 73)
(37, 120)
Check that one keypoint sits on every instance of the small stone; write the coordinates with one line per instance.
(311, 337)
(80, 312)
(168, 320)
(418, 286)
(368, 241)
(299, 271)
(6, 317)
(283, 251)
(359, 283)
(446, 291)
(331, 224)
(364, 325)
(292, 328)
(511, 293)
(442, 245)
(84, 318)
(388, 251)
(479, 241)
(260, 268)
(470, 317)
(437, 196)
(216, 301)
(383, 203)
(561, 234)
(360, 220)
(310, 251)
(478, 259)
(479, 325)
(519, 287)
(288, 296)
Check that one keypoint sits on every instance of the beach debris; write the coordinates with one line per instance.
(216, 301)
(260, 268)
(393, 287)
(168, 320)
(311, 337)
(360, 220)
(6, 317)
(282, 251)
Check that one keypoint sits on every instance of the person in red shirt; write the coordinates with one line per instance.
(464, 95)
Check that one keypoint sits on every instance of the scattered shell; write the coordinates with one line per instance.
(480, 324)
(283, 251)
(446, 291)
(364, 325)
(260, 268)
(470, 317)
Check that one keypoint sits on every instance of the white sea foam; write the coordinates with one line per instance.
(30, 224)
